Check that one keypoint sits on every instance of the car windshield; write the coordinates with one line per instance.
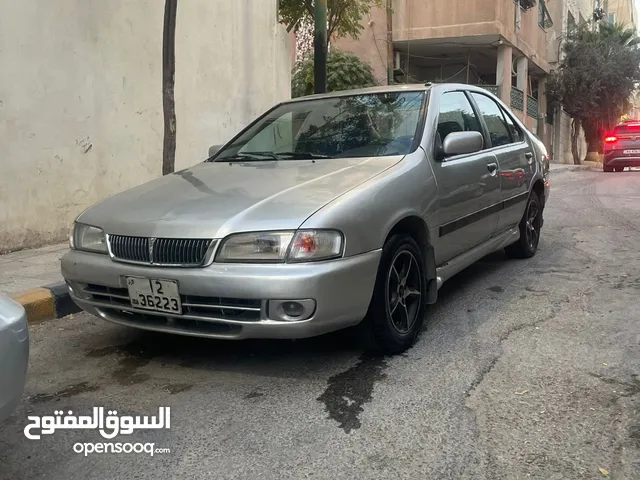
(368, 125)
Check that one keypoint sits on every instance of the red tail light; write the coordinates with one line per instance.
(610, 139)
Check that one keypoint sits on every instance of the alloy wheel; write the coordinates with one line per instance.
(532, 230)
(403, 291)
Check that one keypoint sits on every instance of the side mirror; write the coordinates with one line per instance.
(460, 143)
(214, 149)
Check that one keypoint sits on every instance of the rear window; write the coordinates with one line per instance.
(628, 128)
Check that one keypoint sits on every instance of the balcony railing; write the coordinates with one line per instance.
(517, 99)
(532, 107)
(491, 88)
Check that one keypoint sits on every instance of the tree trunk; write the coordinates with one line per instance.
(593, 136)
(575, 133)
(320, 46)
(168, 86)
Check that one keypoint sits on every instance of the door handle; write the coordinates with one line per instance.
(493, 169)
(529, 157)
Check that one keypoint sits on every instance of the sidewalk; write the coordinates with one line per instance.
(33, 279)
(27, 269)
(565, 167)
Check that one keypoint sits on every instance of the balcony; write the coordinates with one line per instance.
(491, 88)
(517, 99)
(473, 24)
(532, 107)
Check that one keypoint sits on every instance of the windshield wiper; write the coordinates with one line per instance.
(249, 157)
(303, 155)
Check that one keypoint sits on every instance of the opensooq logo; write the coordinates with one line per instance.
(109, 426)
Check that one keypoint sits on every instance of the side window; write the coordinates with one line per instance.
(456, 115)
(490, 111)
(516, 133)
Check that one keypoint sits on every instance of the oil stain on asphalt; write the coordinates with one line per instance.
(348, 391)
(70, 391)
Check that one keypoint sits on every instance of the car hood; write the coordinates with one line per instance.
(211, 200)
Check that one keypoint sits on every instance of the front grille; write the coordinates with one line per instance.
(221, 308)
(160, 251)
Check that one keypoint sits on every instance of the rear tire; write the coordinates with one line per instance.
(397, 309)
(619, 169)
(607, 169)
(530, 226)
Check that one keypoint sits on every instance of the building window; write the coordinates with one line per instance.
(612, 18)
(544, 18)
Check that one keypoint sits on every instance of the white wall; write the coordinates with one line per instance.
(81, 98)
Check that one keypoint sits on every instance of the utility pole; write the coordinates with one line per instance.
(390, 66)
(320, 47)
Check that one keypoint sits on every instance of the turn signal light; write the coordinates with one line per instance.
(610, 139)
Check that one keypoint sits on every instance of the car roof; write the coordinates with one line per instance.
(411, 87)
(398, 88)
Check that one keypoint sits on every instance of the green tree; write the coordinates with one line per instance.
(344, 71)
(343, 16)
(595, 80)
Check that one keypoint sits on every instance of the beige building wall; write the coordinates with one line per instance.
(623, 11)
(81, 98)
(426, 19)
(371, 45)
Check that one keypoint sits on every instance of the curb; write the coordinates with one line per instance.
(569, 168)
(46, 303)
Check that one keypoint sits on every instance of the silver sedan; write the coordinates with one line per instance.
(324, 212)
(14, 354)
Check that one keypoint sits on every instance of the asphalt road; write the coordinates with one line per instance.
(525, 369)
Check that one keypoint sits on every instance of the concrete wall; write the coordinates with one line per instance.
(371, 45)
(81, 103)
(624, 11)
(565, 155)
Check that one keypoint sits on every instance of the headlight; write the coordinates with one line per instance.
(278, 247)
(256, 247)
(88, 238)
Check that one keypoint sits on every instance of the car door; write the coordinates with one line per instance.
(515, 159)
(468, 185)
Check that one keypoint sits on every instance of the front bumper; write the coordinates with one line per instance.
(14, 354)
(341, 291)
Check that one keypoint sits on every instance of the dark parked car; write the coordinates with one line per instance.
(622, 147)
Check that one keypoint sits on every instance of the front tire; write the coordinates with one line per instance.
(530, 226)
(397, 309)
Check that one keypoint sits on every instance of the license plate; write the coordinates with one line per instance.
(152, 294)
(631, 152)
